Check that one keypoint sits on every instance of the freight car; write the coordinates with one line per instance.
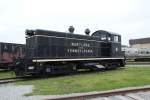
(137, 54)
(51, 52)
(9, 52)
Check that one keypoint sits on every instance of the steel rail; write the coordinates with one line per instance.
(102, 94)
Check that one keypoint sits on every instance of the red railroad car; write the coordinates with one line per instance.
(9, 52)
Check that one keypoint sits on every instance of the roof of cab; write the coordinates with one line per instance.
(96, 33)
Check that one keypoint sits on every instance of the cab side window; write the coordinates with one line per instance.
(103, 37)
(116, 38)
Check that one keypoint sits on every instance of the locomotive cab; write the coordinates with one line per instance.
(111, 43)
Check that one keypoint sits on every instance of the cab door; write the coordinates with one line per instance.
(105, 49)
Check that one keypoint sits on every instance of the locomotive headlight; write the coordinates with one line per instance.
(31, 67)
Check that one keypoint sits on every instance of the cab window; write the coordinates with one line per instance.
(116, 38)
(103, 37)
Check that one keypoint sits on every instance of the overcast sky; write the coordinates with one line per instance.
(130, 18)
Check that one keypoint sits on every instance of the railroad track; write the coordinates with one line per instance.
(103, 95)
(11, 80)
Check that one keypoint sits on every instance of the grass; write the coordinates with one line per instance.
(125, 77)
(6, 74)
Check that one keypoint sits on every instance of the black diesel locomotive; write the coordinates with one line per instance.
(51, 52)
